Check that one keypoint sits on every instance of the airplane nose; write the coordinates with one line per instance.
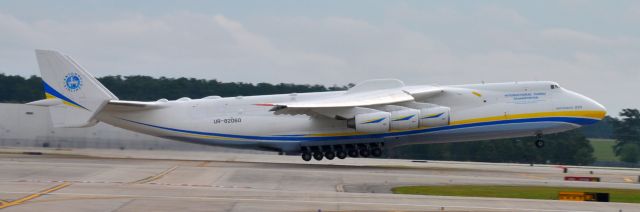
(595, 106)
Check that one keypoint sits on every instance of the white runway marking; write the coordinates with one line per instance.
(300, 201)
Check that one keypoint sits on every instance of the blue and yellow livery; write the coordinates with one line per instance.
(51, 93)
(359, 122)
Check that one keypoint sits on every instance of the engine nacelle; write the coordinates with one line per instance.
(405, 119)
(434, 116)
(375, 122)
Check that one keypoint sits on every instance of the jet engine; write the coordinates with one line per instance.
(434, 116)
(405, 119)
(375, 122)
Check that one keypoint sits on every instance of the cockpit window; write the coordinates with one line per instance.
(554, 86)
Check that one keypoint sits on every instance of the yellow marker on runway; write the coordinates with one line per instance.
(33, 196)
(532, 176)
(204, 164)
(154, 177)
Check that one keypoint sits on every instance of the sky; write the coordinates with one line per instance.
(591, 47)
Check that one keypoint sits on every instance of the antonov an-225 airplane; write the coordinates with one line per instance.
(359, 122)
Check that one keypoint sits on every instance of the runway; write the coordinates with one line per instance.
(113, 180)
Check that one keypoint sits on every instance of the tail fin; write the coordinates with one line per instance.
(73, 95)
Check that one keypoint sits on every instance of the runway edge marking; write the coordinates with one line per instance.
(35, 195)
(154, 177)
(325, 202)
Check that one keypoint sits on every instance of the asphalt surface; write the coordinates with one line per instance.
(102, 180)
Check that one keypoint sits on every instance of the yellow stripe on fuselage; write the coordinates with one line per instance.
(336, 134)
(578, 114)
(594, 114)
(212, 137)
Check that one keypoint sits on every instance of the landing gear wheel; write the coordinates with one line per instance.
(353, 153)
(376, 152)
(539, 143)
(318, 156)
(330, 155)
(341, 154)
(306, 156)
(364, 153)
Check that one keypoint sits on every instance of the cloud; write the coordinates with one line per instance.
(436, 45)
(633, 13)
(178, 44)
(497, 14)
(572, 36)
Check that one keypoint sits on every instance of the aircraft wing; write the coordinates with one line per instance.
(350, 100)
(368, 93)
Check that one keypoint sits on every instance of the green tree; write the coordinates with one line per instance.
(601, 129)
(17, 89)
(570, 147)
(630, 153)
(627, 130)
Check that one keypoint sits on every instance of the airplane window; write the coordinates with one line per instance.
(553, 86)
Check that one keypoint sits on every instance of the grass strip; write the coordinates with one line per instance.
(522, 192)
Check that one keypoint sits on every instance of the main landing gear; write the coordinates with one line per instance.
(318, 155)
(341, 154)
(342, 151)
(306, 156)
(539, 142)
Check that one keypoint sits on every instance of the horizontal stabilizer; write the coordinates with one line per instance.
(46, 102)
(120, 105)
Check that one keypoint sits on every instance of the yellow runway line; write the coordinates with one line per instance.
(204, 164)
(33, 196)
(532, 176)
(154, 177)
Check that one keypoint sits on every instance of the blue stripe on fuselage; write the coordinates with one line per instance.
(572, 120)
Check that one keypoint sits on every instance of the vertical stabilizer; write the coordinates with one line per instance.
(81, 95)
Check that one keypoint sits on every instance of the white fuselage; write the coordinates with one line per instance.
(478, 112)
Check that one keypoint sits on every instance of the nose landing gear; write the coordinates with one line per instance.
(539, 142)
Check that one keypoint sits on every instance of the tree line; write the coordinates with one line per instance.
(563, 148)
(18, 89)
(570, 147)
